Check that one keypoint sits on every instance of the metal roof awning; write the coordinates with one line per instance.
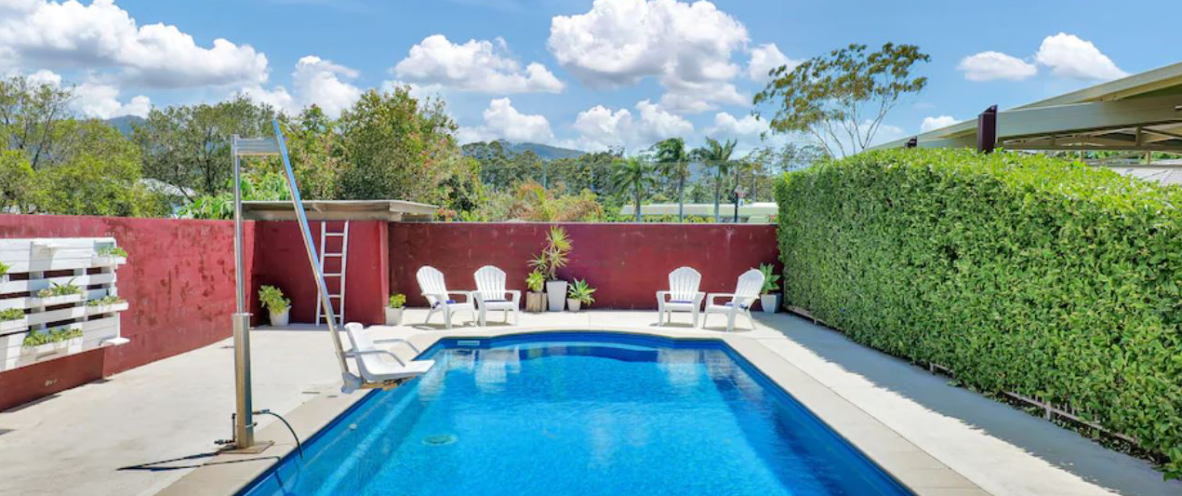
(384, 210)
(1141, 113)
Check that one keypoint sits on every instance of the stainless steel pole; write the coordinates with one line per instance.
(302, 221)
(244, 420)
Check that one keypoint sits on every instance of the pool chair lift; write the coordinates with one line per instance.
(379, 368)
(375, 372)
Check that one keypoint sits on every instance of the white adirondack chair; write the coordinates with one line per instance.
(746, 292)
(381, 368)
(682, 296)
(490, 294)
(435, 290)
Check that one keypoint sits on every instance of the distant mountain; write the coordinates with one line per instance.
(124, 123)
(544, 152)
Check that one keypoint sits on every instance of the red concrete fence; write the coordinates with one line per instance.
(628, 263)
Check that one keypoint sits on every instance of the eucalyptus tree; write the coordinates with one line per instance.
(717, 156)
(633, 176)
(840, 99)
(672, 160)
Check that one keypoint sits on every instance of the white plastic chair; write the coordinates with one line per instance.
(435, 290)
(382, 367)
(682, 296)
(746, 292)
(490, 294)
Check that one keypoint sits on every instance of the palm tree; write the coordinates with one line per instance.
(718, 157)
(673, 161)
(634, 176)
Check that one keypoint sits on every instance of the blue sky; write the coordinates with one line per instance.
(572, 73)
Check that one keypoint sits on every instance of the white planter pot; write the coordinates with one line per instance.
(573, 304)
(769, 302)
(279, 319)
(57, 300)
(556, 293)
(393, 316)
(14, 325)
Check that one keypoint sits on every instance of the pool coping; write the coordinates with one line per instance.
(910, 465)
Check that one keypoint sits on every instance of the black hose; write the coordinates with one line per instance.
(299, 446)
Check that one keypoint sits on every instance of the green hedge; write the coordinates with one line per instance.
(1019, 273)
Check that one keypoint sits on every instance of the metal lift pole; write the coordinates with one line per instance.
(298, 203)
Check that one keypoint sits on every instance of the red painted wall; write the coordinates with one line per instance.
(628, 263)
(282, 261)
(179, 280)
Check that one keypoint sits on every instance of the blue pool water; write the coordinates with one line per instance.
(579, 414)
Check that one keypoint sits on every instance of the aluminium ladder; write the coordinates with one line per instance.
(325, 237)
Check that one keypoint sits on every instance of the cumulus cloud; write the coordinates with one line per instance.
(1066, 55)
(934, 123)
(728, 126)
(601, 128)
(502, 121)
(1069, 56)
(315, 81)
(477, 65)
(687, 47)
(764, 58)
(95, 99)
(102, 35)
(991, 66)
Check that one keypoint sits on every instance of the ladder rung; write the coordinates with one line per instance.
(334, 296)
(338, 235)
(334, 274)
(334, 254)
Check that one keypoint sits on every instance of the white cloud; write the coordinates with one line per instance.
(1069, 56)
(933, 123)
(685, 46)
(990, 66)
(600, 128)
(764, 58)
(728, 126)
(315, 81)
(502, 121)
(95, 99)
(473, 66)
(102, 35)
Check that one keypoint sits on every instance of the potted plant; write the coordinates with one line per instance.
(12, 319)
(769, 298)
(110, 255)
(553, 257)
(279, 306)
(394, 309)
(579, 295)
(58, 294)
(4, 272)
(535, 298)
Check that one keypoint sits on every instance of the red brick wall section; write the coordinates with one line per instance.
(283, 262)
(179, 281)
(628, 263)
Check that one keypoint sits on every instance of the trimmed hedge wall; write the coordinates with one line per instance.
(1019, 273)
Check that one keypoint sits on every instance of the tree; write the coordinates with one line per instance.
(635, 176)
(842, 98)
(189, 146)
(717, 156)
(673, 159)
(97, 174)
(29, 116)
(396, 147)
(16, 182)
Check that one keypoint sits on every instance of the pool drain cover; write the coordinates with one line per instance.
(440, 440)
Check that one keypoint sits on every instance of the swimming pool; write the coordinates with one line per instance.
(579, 414)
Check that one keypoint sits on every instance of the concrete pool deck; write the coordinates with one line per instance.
(148, 429)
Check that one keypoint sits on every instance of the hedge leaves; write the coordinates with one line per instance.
(1019, 273)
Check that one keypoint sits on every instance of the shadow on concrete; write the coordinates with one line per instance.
(1060, 447)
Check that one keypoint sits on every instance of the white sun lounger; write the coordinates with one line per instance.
(682, 296)
(746, 292)
(435, 290)
(490, 294)
(379, 368)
